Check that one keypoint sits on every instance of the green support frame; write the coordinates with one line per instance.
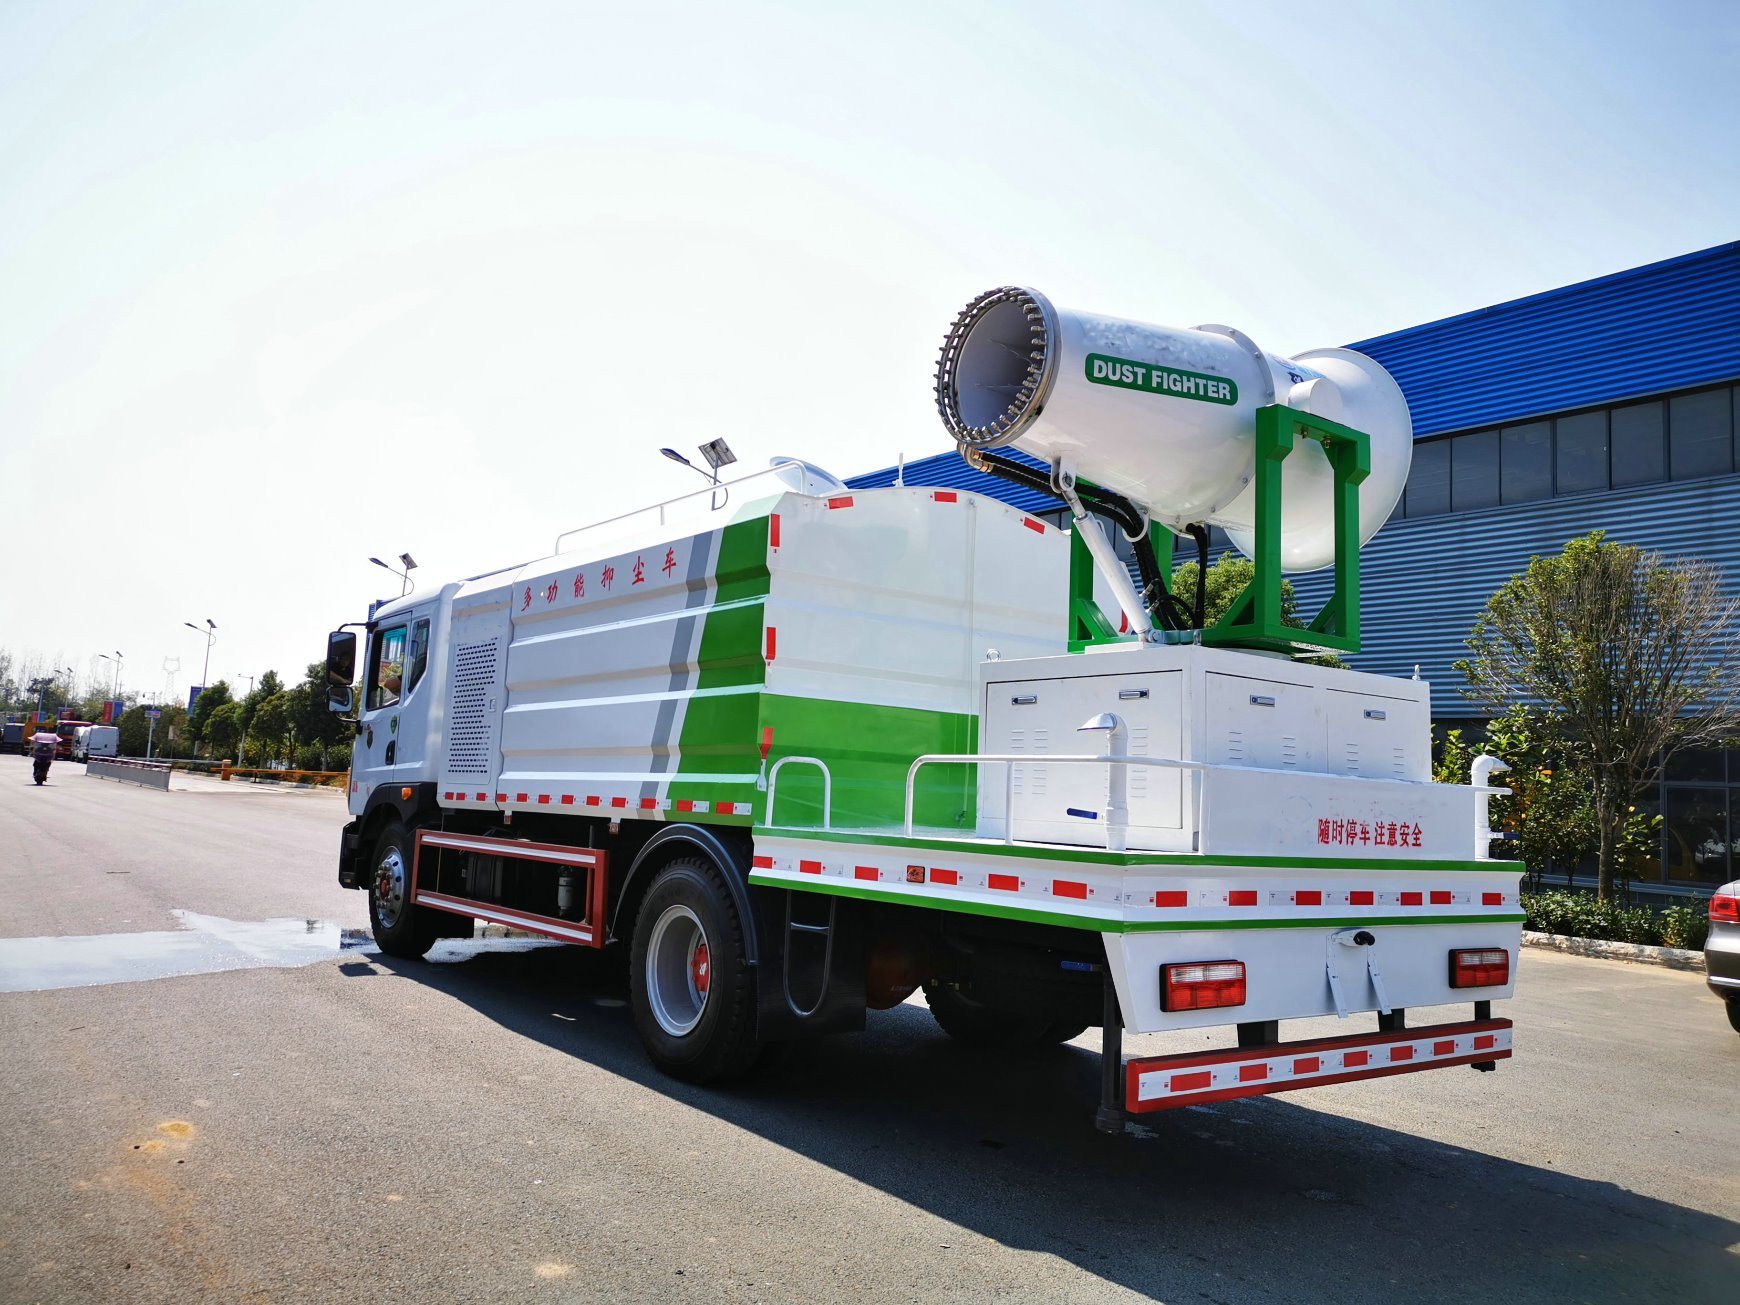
(1254, 619)
(1088, 625)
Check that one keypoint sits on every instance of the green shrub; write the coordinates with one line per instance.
(1685, 926)
(311, 756)
(1583, 915)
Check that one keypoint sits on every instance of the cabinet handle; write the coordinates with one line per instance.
(1025, 700)
(1262, 700)
(1128, 695)
(1372, 713)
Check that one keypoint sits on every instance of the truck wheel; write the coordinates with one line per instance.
(1733, 1005)
(400, 929)
(977, 1025)
(691, 988)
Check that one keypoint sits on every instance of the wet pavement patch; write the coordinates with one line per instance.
(205, 944)
(209, 944)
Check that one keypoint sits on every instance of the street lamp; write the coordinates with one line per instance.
(404, 576)
(717, 453)
(117, 659)
(210, 633)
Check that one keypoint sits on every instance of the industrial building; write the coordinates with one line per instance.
(1611, 404)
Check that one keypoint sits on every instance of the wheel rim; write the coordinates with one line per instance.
(679, 970)
(390, 887)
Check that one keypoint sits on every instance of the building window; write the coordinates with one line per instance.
(1474, 471)
(1527, 458)
(1700, 434)
(1429, 479)
(1639, 451)
(1581, 454)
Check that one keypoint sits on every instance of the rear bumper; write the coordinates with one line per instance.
(1722, 960)
(1168, 1082)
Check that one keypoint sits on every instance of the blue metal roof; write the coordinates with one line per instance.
(1664, 326)
(950, 471)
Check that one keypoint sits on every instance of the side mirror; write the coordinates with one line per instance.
(340, 669)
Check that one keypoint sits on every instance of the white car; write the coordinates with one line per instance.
(1722, 951)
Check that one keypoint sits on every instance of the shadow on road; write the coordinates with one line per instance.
(1262, 1197)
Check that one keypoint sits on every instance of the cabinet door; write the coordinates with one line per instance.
(1377, 736)
(1270, 724)
(1066, 803)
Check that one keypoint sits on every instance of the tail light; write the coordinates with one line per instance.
(1482, 967)
(1202, 985)
(1725, 909)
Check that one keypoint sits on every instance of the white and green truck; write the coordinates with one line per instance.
(804, 750)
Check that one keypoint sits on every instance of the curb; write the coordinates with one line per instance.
(1674, 958)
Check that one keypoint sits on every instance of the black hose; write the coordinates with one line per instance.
(1163, 608)
(1199, 532)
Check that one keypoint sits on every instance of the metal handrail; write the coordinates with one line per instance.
(1009, 759)
(827, 788)
(715, 489)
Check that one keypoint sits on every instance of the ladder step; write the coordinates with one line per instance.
(809, 928)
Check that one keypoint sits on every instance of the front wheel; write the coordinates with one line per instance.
(689, 982)
(400, 928)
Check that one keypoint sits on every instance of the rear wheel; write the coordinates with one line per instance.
(689, 982)
(975, 1024)
(1733, 1005)
(400, 928)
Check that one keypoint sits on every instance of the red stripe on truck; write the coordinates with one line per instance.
(1003, 883)
(1068, 888)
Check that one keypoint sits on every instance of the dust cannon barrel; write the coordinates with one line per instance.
(1166, 416)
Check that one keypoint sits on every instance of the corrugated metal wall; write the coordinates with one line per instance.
(1423, 582)
(1665, 326)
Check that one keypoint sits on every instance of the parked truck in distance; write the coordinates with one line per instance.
(95, 741)
(804, 751)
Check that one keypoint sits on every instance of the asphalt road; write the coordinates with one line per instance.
(485, 1127)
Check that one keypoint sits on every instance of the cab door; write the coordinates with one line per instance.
(377, 745)
(410, 737)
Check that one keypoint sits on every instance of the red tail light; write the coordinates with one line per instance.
(1725, 909)
(1202, 985)
(1484, 967)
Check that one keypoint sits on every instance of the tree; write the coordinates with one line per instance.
(1629, 659)
(209, 701)
(223, 728)
(273, 726)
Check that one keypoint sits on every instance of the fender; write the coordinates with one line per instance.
(723, 846)
(420, 808)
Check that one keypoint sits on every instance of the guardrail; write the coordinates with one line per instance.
(149, 774)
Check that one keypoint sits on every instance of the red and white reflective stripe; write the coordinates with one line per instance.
(497, 915)
(731, 808)
(518, 849)
(1168, 1082)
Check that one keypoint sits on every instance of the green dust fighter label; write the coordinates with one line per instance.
(1154, 379)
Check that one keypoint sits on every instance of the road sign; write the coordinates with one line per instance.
(152, 713)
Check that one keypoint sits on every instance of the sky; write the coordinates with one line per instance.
(283, 287)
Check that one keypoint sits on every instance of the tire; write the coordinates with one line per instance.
(975, 1024)
(690, 985)
(400, 928)
(1733, 1005)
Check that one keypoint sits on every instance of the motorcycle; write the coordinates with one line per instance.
(42, 756)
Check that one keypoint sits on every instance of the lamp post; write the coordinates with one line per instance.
(117, 659)
(717, 453)
(210, 633)
(404, 576)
